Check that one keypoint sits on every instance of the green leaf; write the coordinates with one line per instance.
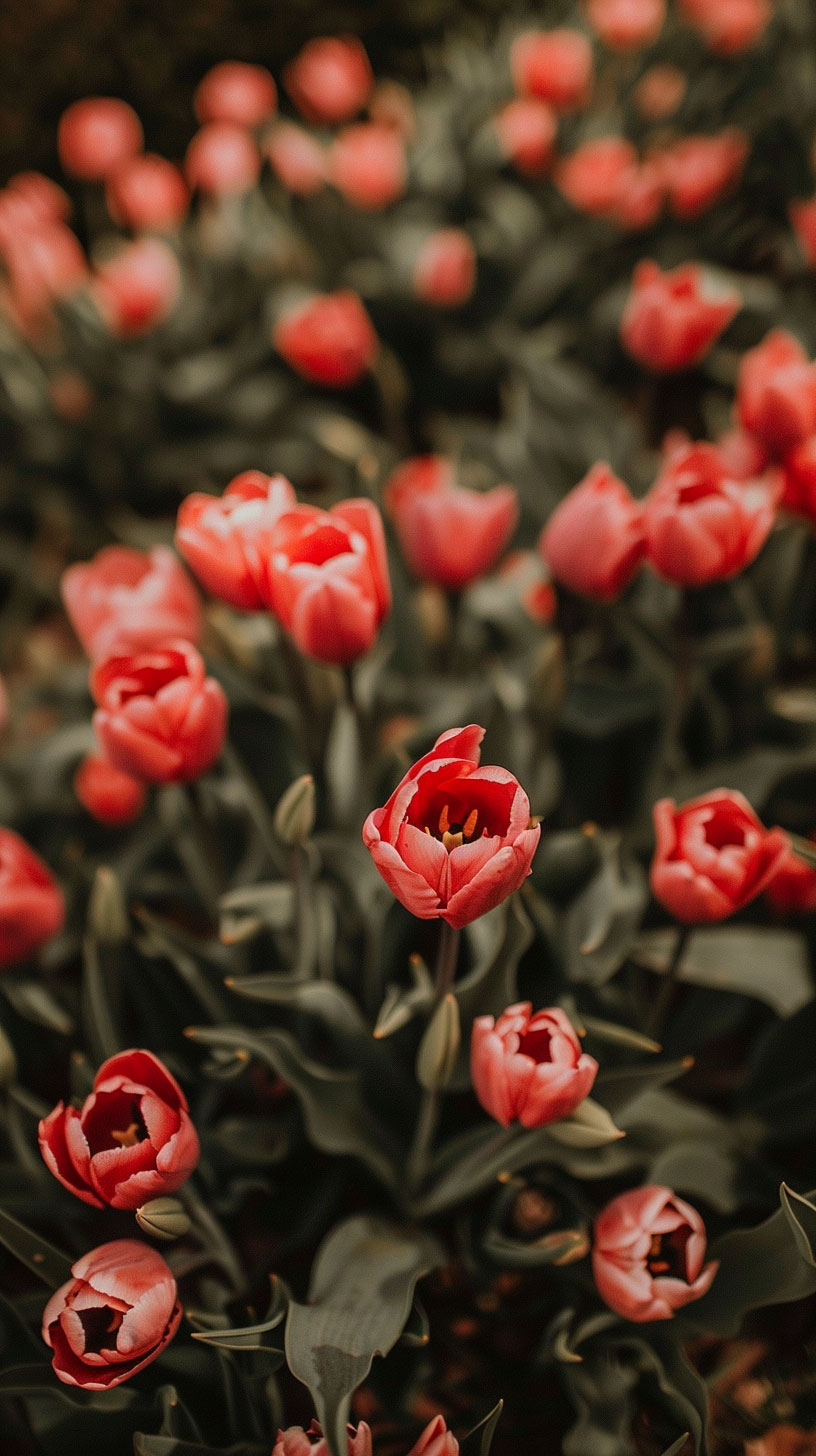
(98, 997)
(801, 1216)
(620, 1086)
(750, 960)
(625, 1036)
(360, 1297)
(602, 921)
(589, 1126)
(251, 1337)
(478, 1441)
(324, 999)
(48, 1263)
(471, 1162)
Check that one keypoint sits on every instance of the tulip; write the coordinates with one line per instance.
(148, 194)
(448, 534)
(713, 856)
(113, 1318)
(32, 909)
(782, 1440)
(529, 1067)
(527, 129)
(297, 1442)
(672, 319)
(330, 80)
(626, 25)
(454, 839)
(803, 219)
(43, 265)
(800, 479)
(391, 104)
(220, 537)
(742, 454)
(648, 1254)
(159, 717)
(554, 65)
(236, 92)
(436, 1440)
(138, 287)
(444, 271)
(698, 170)
(42, 199)
(126, 600)
(640, 197)
(296, 157)
(728, 27)
(595, 175)
(367, 164)
(792, 891)
(659, 92)
(223, 159)
(96, 135)
(528, 579)
(776, 392)
(328, 339)
(702, 526)
(132, 1140)
(593, 541)
(109, 795)
(327, 578)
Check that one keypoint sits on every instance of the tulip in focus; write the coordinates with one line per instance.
(221, 538)
(529, 1067)
(445, 268)
(449, 535)
(109, 795)
(454, 839)
(728, 27)
(222, 159)
(626, 25)
(700, 525)
(236, 92)
(125, 600)
(159, 717)
(328, 339)
(326, 578)
(367, 165)
(330, 80)
(138, 287)
(96, 135)
(113, 1318)
(148, 194)
(554, 65)
(131, 1140)
(527, 129)
(713, 856)
(593, 541)
(32, 909)
(698, 170)
(648, 1255)
(296, 157)
(776, 392)
(672, 319)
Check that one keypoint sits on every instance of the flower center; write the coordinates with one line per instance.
(667, 1254)
(453, 833)
(98, 1325)
(135, 1132)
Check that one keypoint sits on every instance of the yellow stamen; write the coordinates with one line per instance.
(127, 1138)
(444, 821)
(470, 823)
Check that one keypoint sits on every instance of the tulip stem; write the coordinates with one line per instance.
(422, 1140)
(665, 996)
(213, 1238)
(446, 957)
(304, 913)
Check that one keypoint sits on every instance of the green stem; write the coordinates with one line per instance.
(304, 916)
(446, 957)
(213, 1238)
(422, 1142)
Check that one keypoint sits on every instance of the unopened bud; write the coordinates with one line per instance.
(163, 1218)
(107, 913)
(295, 812)
(439, 1047)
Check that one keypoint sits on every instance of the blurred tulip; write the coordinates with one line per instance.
(594, 176)
(554, 65)
(445, 268)
(776, 392)
(527, 129)
(698, 170)
(126, 600)
(221, 537)
(626, 25)
(147, 194)
(713, 856)
(367, 164)
(659, 92)
(328, 339)
(330, 80)
(449, 535)
(222, 159)
(138, 288)
(296, 157)
(803, 221)
(648, 1254)
(32, 909)
(792, 891)
(593, 541)
(728, 27)
(235, 92)
(672, 319)
(96, 135)
(109, 795)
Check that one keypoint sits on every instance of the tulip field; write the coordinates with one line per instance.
(408, 733)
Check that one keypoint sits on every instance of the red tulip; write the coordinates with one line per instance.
(113, 1318)
(131, 1141)
(776, 392)
(147, 193)
(32, 909)
(672, 319)
(742, 454)
(220, 537)
(449, 534)
(327, 578)
(526, 574)
(125, 600)
(297, 1442)
(111, 796)
(43, 264)
(329, 339)
(626, 25)
(222, 158)
(436, 1440)
(648, 1254)
(159, 717)
(697, 170)
(296, 157)
(792, 891)
(781, 1440)
(700, 525)
(367, 164)
(330, 80)
(391, 104)
(454, 839)
(659, 92)
(44, 202)
(803, 220)
(728, 27)
(713, 856)
(445, 268)
(554, 65)
(595, 175)
(96, 135)
(593, 541)
(527, 129)
(800, 479)
(640, 199)
(529, 1067)
(236, 92)
(138, 287)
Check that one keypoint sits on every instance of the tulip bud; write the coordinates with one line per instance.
(295, 812)
(439, 1047)
(163, 1218)
(107, 912)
